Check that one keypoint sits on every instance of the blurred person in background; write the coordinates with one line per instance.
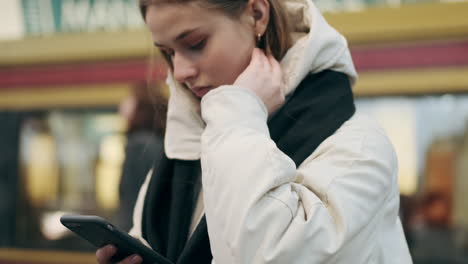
(145, 112)
(265, 160)
(407, 211)
(434, 239)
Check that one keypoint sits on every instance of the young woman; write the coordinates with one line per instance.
(265, 160)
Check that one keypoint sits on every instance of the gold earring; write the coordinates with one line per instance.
(259, 37)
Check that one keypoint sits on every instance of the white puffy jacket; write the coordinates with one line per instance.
(339, 206)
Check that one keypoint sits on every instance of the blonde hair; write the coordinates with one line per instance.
(277, 38)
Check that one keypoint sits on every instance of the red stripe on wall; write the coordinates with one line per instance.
(365, 58)
(82, 73)
(411, 56)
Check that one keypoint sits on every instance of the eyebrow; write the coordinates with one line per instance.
(180, 36)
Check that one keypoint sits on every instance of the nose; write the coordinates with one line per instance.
(184, 69)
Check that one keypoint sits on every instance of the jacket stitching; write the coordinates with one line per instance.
(282, 202)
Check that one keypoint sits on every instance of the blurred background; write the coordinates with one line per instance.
(74, 106)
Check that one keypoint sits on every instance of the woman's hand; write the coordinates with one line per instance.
(105, 254)
(264, 77)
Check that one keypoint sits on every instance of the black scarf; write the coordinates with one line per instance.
(320, 105)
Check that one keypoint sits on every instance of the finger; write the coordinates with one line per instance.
(268, 50)
(264, 60)
(257, 61)
(133, 259)
(104, 254)
(253, 64)
(271, 62)
(276, 68)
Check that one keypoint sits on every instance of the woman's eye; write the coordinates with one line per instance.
(168, 52)
(199, 45)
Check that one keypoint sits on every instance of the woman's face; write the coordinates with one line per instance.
(207, 48)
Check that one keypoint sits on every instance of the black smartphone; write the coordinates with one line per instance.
(100, 232)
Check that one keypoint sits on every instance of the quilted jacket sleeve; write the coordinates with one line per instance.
(340, 206)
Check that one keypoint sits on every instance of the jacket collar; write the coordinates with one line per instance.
(317, 47)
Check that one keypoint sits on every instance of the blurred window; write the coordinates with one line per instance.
(430, 136)
(70, 161)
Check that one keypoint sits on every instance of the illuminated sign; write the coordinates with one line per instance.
(44, 17)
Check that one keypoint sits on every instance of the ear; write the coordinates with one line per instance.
(260, 12)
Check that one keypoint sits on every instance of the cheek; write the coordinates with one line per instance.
(228, 61)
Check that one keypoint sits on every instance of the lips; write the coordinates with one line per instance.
(200, 91)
